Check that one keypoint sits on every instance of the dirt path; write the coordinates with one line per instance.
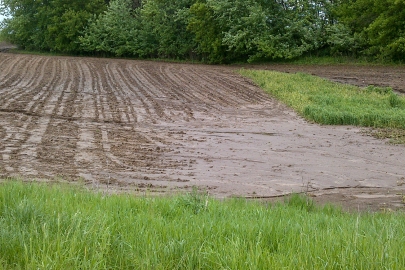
(133, 125)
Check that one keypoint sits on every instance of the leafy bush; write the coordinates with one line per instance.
(48, 25)
(113, 32)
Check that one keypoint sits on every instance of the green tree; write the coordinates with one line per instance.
(113, 32)
(256, 29)
(22, 26)
(53, 25)
(216, 31)
(295, 27)
(207, 33)
(387, 32)
(378, 25)
(164, 25)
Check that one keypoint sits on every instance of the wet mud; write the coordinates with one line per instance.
(139, 126)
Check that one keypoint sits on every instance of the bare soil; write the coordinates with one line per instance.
(137, 126)
(6, 46)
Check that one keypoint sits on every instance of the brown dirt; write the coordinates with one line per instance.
(141, 126)
(6, 46)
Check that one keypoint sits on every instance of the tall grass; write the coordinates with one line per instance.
(330, 103)
(342, 60)
(43, 227)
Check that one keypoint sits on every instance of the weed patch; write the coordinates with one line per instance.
(394, 136)
(330, 103)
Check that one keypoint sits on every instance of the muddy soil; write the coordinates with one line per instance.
(150, 127)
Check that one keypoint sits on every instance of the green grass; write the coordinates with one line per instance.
(329, 60)
(341, 60)
(61, 227)
(329, 103)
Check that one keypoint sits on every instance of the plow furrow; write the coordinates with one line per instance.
(138, 125)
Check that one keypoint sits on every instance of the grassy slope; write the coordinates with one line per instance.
(330, 103)
(44, 227)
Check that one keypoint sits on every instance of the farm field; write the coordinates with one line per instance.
(124, 125)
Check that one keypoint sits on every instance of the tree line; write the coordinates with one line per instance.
(214, 31)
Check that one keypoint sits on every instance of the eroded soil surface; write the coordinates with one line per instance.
(122, 125)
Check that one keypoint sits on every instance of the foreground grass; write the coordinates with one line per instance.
(330, 103)
(43, 227)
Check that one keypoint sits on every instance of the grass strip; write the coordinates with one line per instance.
(330, 103)
(64, 227)
(342, 60)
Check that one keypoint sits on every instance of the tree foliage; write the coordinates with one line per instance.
(113, 32)
(377, 25)
(251, 29)
(53, 25)
(214, 31)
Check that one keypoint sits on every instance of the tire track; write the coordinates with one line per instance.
(188, 93)
(123, 107)
(91, 159)
(59, 141)
(2, 146)
(88, 93)
(87, 158)
(128, 96)
(30, 84)
(20, 149)
(202, 86)
(26, 100)
(147, 92)
(175, 102)
(229, 86)
(95, 141)
(29, 71)
(240, 87)
(156, 92)
(44, 104)
(103, 109)
(112, 100)
(108, 121)
(38, 111)
(7, 65)
(12, 74)
(90, 118)
(122, 153)
(142, 105)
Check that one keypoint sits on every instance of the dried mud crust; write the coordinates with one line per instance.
(140, 126)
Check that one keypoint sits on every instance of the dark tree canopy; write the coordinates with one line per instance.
(53, 25)
(214, 31)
